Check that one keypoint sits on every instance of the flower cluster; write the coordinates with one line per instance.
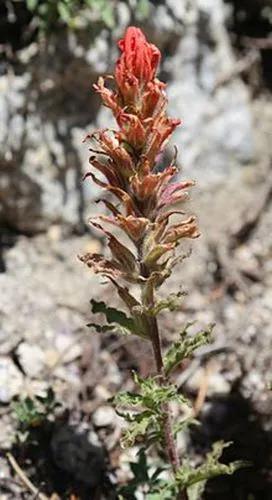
(127, 158)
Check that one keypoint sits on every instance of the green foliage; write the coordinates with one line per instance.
(172, 303)
(116, 320)
(182, 425)
(195, 478)
(144, 413)
(50, 14)
(147, 415)
(185, 347)
(153, 394)
(32, 412)
(143, 478)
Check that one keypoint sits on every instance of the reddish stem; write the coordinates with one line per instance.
(167, 424)
(156, 345)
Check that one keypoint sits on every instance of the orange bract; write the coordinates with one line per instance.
(127, 157)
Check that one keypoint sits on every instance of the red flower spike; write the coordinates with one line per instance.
(127, 158)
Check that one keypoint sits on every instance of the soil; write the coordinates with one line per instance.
(44, 342)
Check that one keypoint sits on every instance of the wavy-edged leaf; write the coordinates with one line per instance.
(155, 394)
(185, 347)
(144, 411)
(187, 476)
(137, 429)
(118, 320)
(172, 303)
(113, 316)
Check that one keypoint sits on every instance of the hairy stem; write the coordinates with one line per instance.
(168, 434)
(148, 300)
(167, 424)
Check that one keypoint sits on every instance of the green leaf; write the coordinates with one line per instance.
(165, 490)
(128, 399)
(140, 468)
(139, 425)
(147, 415)
(182, 425)
(113, 315)
(27, 413)
(106, 328)
(188, 476)
(137, 428)
(33, 412)
(116, 318)
(154, 394)
(196, 491)
(185, 347)
(173, 302)
(142, 478)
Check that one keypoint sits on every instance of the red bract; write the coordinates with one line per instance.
(126, 158)
(139, 60)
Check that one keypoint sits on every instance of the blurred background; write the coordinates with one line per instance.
(217, 62)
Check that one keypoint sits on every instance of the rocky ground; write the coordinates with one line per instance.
(225, 144)
(45, 343)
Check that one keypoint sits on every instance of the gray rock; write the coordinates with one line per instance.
(216, 135)
(11, 380)
(41, 163)
(48, 105)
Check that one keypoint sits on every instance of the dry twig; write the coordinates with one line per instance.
(29, 485)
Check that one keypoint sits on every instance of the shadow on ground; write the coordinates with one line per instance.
(232, 418)
(62, 458)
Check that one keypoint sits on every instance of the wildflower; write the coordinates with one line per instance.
(126, 157)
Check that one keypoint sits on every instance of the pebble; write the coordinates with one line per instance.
(104, 416)
(11, 380)
(32, 358)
